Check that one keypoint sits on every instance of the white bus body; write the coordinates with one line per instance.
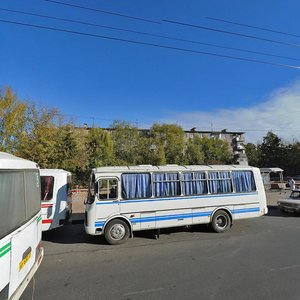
(20, 224)
(56, 198)
(126, 199)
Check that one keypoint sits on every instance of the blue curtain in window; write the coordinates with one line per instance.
(219, 182)
(213, 182)
(194, 183)
(243, 181)
(166, 184)
(225, 182)
(136, 186)
(187, 184)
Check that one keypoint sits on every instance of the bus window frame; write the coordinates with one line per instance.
(136, 173)
(177, 180)
(97, 186)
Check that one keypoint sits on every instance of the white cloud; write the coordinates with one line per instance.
(280, 113)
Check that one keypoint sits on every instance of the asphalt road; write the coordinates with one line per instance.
(256, 259)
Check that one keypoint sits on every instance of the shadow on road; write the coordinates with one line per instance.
(74, 233)
(71, 234)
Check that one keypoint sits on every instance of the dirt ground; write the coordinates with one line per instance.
(274, 195)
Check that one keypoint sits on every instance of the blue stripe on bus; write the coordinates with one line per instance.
(246, 210)
(181, 216)
(171, 198)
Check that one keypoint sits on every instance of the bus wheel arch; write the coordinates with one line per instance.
(117, 230)
(221, 220)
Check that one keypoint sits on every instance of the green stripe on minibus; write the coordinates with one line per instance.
(5, 249)
(39, 219)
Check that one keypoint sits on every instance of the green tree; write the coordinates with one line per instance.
(66, 155)
(169, 139)
(148, 152)
(216, 151)
(38, 139)
(272, 151)
(99, 147)
(291, 161)
(194, 154)
(12, 120)
(253, 154)
(126, 142)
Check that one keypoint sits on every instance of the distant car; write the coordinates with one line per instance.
(291, 204)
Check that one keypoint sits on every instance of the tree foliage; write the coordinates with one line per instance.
(274, 152)
(126, 142)
(12, 120)
(168, 140)
(99, 148)
(194, 153)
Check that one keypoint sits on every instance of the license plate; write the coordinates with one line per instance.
(24, 261)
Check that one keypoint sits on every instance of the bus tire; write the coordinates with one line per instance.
(116, 232)
(221, 221)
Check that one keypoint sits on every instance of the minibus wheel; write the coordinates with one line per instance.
(116, 232)
(220, 221)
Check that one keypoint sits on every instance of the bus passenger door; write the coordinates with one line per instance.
(107, 199)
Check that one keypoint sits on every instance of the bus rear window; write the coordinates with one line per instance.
(47, 184)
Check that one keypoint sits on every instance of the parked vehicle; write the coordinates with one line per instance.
(126, 199)
(291, 204)
(56, 198)
(20, 224)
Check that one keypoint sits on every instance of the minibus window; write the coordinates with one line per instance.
(107, 189)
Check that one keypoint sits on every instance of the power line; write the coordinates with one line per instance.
(103, 11)
(232, 33)
(148, 34)
(151, 44)
(197, 26)
(252, 26)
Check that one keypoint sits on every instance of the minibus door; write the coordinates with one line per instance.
(107, 198)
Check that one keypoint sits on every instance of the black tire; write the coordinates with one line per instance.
(220, 221)
(116, 232)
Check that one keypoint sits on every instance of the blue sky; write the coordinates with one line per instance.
(95, 80)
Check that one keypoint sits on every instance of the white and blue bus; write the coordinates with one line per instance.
(126, 199)
(20, 224)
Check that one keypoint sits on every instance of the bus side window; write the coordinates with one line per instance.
(107, 189)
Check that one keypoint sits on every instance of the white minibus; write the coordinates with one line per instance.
(56, 198)
(126, 199)
(20, 224)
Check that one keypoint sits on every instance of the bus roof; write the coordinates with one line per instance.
(9, 161)
(271, 170)
(54, 172)
(167, 168)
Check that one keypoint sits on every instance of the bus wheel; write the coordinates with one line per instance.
(116, 232)
(220, 221)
